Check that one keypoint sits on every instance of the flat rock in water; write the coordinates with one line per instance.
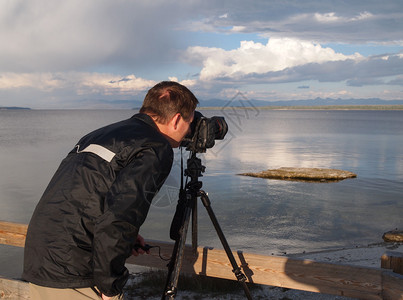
(304, 174)
(393, 236)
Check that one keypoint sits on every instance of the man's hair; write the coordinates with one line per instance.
(168, 98)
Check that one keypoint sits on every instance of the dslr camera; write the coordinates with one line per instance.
(203, 133)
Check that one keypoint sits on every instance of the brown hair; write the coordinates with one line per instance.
(168, 98)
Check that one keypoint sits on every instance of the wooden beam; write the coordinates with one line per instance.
(13, 233)
(392, 260)
(13, 289)
(392, 286)
(327, 278)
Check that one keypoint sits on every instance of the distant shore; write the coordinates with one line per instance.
(294, 107)
(316, 107)
(12, 107)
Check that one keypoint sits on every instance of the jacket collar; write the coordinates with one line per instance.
(146, 119)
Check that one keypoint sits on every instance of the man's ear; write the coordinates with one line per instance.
(175, 120)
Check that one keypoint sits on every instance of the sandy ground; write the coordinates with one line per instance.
(368, 256)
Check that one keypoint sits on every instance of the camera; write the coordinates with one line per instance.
(203, 133)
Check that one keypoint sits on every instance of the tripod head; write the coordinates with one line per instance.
(194, 170)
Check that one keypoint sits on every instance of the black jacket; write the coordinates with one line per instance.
(86, 223)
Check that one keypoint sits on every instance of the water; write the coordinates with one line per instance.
(256, 215)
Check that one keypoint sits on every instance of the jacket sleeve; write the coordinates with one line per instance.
(126, 207)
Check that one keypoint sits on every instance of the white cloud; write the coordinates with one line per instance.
(186, 82)
(333, 17)
(111, 84)
(40, 81)
(238, 28)
(255, 58)
(362, 16)
(359, 22)
(80, 83)
(325, 18)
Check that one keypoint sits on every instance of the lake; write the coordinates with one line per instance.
(257, 215)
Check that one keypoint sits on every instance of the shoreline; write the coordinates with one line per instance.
(313, 107)
(363, 107)
(364, 256)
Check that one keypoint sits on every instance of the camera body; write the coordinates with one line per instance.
(203, 133)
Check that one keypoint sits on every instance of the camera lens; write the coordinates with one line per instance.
(220, 127)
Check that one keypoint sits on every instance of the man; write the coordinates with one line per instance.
(87, 221)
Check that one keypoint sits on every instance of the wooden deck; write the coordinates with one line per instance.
(307, 275)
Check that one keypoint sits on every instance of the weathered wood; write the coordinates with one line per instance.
(392, 286)
(350, 281)
(13, 233)
(13, 289)
(392, 260)
(328, 278)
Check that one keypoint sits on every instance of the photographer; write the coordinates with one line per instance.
(87, 221)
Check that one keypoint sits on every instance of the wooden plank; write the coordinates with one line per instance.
(13, 289)
(13, 239)
(13, 227)
(13, 233)
(392, 260)
(349, 281)
(392, 285)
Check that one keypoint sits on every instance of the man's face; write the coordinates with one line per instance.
(176, 129)
(183, 128)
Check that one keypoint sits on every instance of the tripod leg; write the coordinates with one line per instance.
(177, 257)
(236, 269)
(194, 228)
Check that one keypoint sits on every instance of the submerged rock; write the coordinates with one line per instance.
(304, 174)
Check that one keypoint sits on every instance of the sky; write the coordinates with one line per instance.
(79, 54)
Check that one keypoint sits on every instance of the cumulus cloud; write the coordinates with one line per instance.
(80, 83)
(185, 82)
(255, 58)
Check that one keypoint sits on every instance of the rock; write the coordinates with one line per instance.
(393, 236)
(304, 174)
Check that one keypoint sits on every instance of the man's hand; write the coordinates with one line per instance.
(141, 242)
(105, 297)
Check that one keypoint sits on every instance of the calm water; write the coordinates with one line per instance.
(256, 215)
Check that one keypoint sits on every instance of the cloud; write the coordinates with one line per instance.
(79, 50)
(374, 70)
(79, 83)
(256, 58)
(52, 36)
(325, 21)
(187, 82)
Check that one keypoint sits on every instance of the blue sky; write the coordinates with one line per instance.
(70, 54)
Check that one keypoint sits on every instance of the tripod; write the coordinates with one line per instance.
(187, 206)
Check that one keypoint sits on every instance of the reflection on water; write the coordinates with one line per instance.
(256, 215)
(271, 216)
